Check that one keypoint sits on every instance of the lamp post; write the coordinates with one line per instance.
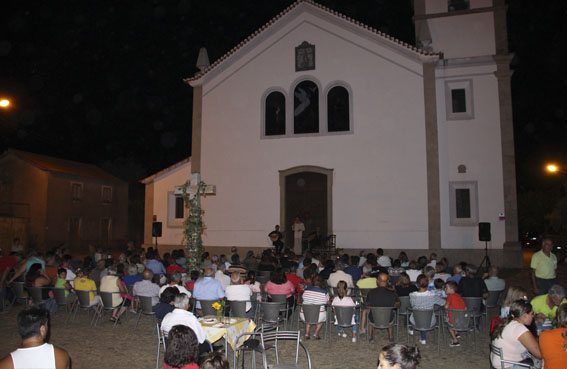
(4, 103)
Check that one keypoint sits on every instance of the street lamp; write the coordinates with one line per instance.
(554, 168)
(4, 103)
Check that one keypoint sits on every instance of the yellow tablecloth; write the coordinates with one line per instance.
(215, 330)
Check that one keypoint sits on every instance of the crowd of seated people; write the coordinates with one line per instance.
(305, 279)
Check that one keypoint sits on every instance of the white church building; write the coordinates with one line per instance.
(378, 142)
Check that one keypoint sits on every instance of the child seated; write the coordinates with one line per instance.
(440, 288)
(455, 302)
(343, 300)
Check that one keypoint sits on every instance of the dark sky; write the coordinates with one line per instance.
(101, 82)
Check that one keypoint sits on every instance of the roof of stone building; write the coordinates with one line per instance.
(394, 41)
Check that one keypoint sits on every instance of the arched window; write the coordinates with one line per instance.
(306, 108)
(338, 116)
(275, 114)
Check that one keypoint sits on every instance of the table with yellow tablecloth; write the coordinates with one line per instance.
(230, 331)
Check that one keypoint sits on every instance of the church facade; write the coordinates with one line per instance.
(378, 142)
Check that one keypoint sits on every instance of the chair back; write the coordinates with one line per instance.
(263, 276)
(492, 299)
(311, 313)
(279, 298)
(383, 317)
(207, 307)
(423, 319)
(19, 290)
(364, 293)
(238, 308)
(107, 300)
(284, 336)
(146, 305)
(271, 311)
(473, 303)
(462, 320)
(404, 305)
(35, 294)
(59, 294)
(84, 298)
(344, 315)
(394, 279)
(254, 296)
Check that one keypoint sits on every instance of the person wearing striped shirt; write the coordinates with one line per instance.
(315, 295)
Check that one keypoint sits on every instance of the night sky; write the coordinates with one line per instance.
(101, 82)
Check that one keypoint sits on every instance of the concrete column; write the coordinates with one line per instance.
(432, 156)
(196, 130)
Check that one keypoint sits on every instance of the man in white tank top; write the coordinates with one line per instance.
(35, 353)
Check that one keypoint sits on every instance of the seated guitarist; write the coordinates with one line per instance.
(315, 239)
(276, 238)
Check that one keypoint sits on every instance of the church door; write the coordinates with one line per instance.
(306, 194)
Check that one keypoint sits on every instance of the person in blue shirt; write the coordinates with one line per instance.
(207, 288)
(353, 268)
(154, 265)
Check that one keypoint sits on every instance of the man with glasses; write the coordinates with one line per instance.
(544, 266)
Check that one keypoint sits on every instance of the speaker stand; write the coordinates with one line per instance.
(156, 246)
(486, 260)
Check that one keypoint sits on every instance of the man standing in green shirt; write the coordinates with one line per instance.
(544, 265)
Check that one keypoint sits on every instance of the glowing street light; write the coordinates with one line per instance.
(552, 168)
(4, 103)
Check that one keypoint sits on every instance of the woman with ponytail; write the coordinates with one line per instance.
(396, 356)
(513, 338)
(553, 343)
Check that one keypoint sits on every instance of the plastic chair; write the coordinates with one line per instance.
(463, 321)
(499, 353)
(285, 309)
(83, 302)
(384, 318)
(146, 308)
(270, 314)
(492, 302)
(61, 300)
(252, 344)
(263, 276)
(343, 315)
(311, 315)
(238, 309)
(160, 342)
(207, 307)
(108, 306)
(474, 304)
(404, 306)
(283, 336)
(19, 292)
(36, 294)
(422, 319)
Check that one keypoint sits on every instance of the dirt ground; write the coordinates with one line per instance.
(127, 347)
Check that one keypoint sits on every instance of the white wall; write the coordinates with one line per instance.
(380, 189)
(476, 144)
(163, 185)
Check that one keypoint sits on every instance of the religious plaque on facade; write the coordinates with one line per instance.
(304, 57)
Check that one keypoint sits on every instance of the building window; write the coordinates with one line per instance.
(338, 112)
(459, 99)
(179, 207)
(274, 117)
(106, 195)
(105, 231)
(306, 108)
(76, 191)
(176, 211)
(464, 203)
(454, 5)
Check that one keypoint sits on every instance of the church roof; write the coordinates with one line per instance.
(396, 42)
(57, 165)
(165, 171)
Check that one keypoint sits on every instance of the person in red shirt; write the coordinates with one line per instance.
(191, 284)
(7, 263)
(455, 302)
(174, 268)
(292, 277)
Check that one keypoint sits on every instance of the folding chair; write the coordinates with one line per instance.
(492, 302)
(252, 344)
(83, 302)
(285, 308)
(238, 309)
(19, 292)
(107, 305)
(160, 341)
(61, 300)
(402, 310)
(270, 314)
(36, 294)
(474, 304)
(383, 318)
(284, 336)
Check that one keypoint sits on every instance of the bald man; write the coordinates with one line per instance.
(207, 288)
(382, 296)
(147, 288)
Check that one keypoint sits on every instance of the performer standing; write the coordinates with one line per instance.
(298, 228)
(276, 238)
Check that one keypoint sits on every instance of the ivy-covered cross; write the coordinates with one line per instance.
(191, 192)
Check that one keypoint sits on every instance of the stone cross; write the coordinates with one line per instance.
(193, 189)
